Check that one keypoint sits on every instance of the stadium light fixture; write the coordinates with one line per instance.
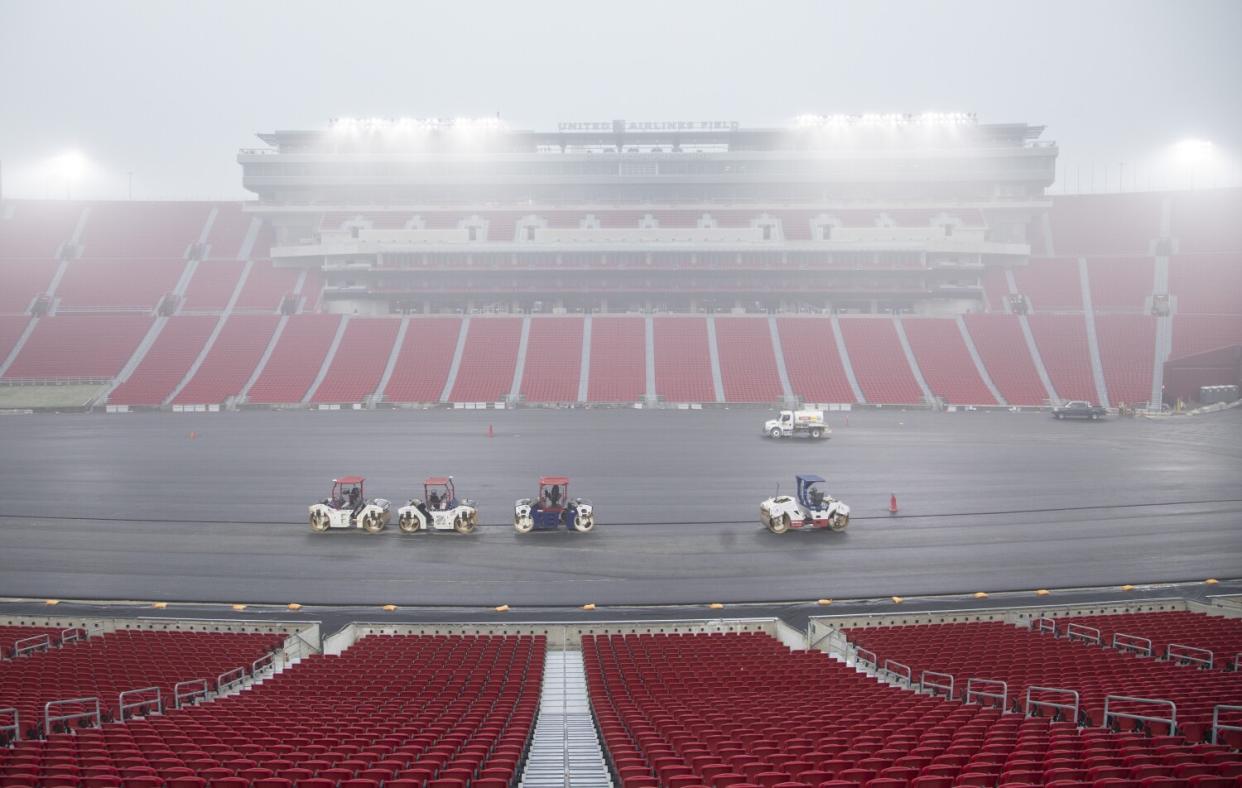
(1193, 152)
(70, 165)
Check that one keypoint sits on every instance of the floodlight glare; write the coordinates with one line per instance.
(1193, 151)
(69, 165)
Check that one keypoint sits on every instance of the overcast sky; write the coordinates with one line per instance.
(170, 89)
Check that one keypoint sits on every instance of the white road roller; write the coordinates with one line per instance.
(439, 509)
(809, 508)
(348, 507)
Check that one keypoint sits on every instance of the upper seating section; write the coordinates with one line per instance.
(1023, 658)
(212, 285)
(166, 362)
(945, 361)
(488, 360)
(1105, 224)
(100, 285)
(1197, 333)
(228, 232)
(357, 720)
(880, 365)
(424, 360)
(995, 288)
(1206, 221)
(1121, 284)
(103, 667)
(1062, 343)
(79, 346)
(733, 709)
(143, 230)
(1207, 283)
(1222, 636)
(812, 362)
(360, 359)
(1127, 354)
(747, 362)
(231, 360)
(21, 281)
(618, 359)
(296, 359)
(36, 230)
(683, 365)
(1005, 355)
(553, 359)
(1050, 285)
(265, 286)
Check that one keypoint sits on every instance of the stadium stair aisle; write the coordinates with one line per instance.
(565, 748)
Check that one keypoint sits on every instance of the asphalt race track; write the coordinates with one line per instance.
(212, 507)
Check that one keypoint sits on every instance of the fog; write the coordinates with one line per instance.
(158, 96)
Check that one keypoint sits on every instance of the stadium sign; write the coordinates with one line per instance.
(618, 126)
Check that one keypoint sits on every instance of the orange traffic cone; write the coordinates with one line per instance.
(892, 504)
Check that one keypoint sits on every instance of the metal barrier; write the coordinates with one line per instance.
(266, 661)
(1083, 632)
(1109, 714)
(1139, 645)
(990, 685)
(1044, 624)
(924, 684)
(1216, 723)
(230, 679)
(32, 644)
(899, 670)
(1072, 708)
(1188, 654)
(15, 726)
(1237, 661)
(133, 700)
(870, 659)
(49, 718)
(72, 634)
(192, 690)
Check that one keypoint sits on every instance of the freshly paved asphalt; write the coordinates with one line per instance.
(131, 507)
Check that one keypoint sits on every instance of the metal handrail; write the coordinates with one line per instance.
(72, 634)
(15, 725)
(1187, 654)
(1082, 632)
(858, 656)
(48, 719)
(924, 684)
(1171, 719)
(971, 692)
(123, 705)
(265, 661)
(1237, 661)
(896, 673)
(180, 697)
(1033, 703)
(1044, 624)
(235, 677)
(1216, 724)
(32, 644)
(1139, 645)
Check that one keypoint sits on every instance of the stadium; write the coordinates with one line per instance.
(260, 461)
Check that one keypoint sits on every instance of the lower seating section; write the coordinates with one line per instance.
(424, 360)
(618, 359)
(166, 362)
(879, 363)
(683, 365)
(296, 359)
(79, 346)
(212, 284)
(11, 328)
(1050, 285)
(1196, 333)
(745, 710)
(1003, 350)
(1121, 283)
(1206, 283)
(1062, 343)
(265, 286)
(105, 666)
(21, 281)
(125, 284)
(1222, 636)
(1023, 658)
(1127, 354)
(231, 360)
(488, 360)
(12, 635)
(945, 362)
(371, 716)
(360, 359)
(553, 359)
(812, 362)
(747, 362)
(1105, 223)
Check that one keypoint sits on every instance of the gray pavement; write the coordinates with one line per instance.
(133, 507)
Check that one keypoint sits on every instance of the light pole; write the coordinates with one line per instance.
(1121, 173)
(130, 173)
